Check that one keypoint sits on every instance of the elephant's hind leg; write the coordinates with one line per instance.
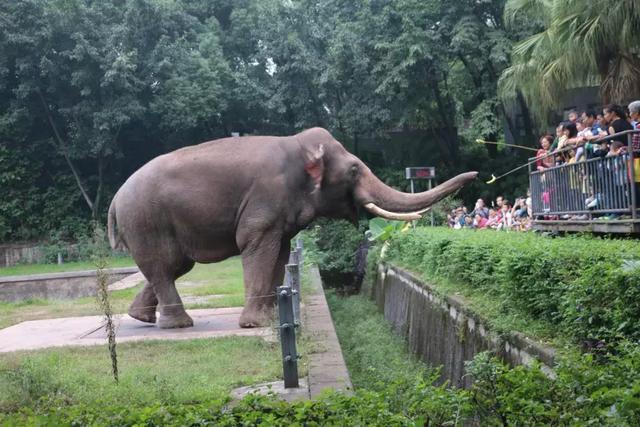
(161, 291)
(143, 307)
(172, 312)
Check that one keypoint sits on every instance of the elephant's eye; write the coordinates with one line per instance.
(354, 170)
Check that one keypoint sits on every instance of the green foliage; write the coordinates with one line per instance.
(332, 245)
(577, 285)
(584, 392)
(382, 229)
(90, 91)
(379, 361)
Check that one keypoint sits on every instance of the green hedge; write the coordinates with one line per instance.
(587, 288)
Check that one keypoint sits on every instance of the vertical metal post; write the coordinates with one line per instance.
(300, 249)
(293, 257)
(431, 210)
(288, 337)
(293, 276)
(413, 223)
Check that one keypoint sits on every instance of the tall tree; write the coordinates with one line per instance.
(592, 42)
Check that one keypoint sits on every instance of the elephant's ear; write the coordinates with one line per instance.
(314, 165)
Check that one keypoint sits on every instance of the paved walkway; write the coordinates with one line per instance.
(89, 330)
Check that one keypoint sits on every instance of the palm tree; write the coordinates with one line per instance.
(585, 42)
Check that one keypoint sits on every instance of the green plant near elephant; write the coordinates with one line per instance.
(333, 244)
(381, 230)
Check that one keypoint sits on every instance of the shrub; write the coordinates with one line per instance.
(577, 284)
(332, 244)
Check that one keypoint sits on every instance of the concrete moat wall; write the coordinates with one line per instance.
(442, 331)
(74, 284)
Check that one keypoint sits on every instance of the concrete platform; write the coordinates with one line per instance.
(277, 388)
(89, 330)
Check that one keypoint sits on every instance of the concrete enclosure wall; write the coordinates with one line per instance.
(69, 285)
(27, 253)
(442, 331)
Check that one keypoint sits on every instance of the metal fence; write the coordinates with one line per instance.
(289, 316)
(595, 186)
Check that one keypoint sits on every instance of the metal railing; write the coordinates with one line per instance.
(289, 316)
(593, 187)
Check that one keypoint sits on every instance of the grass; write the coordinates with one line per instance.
(222, 281)
(151, 372)
(374, 354)
(24, 269)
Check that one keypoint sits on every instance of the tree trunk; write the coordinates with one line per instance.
(444, 146)
(526, 117)
(61, 148)
(95, 210)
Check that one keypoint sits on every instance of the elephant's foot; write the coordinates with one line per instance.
(146, 314)
(255, 318)
(143, 307)
(175, 320)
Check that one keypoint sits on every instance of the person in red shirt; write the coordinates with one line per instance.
(544, 159)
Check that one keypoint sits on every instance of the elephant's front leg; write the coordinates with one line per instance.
(263, 264)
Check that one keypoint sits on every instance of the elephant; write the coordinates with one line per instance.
(246, 196)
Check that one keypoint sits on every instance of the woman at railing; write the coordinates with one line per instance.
(544, 161)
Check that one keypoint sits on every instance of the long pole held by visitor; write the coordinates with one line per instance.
(482, 141)
(495, 178)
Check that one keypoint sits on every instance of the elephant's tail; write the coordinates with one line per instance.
(112, 228)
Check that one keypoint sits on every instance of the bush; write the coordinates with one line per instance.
(332, 245)
(579, 285)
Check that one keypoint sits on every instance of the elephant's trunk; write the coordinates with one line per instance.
(384, 201)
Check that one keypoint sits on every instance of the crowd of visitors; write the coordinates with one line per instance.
(578, 192)
(597, 187)
(585, 136)
(502, 215)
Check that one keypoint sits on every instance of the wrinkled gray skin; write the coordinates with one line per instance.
(243, 196)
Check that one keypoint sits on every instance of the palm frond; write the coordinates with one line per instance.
(584, 42)
(534, 9)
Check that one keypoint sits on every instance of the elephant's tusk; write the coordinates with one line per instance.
(409, 216)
